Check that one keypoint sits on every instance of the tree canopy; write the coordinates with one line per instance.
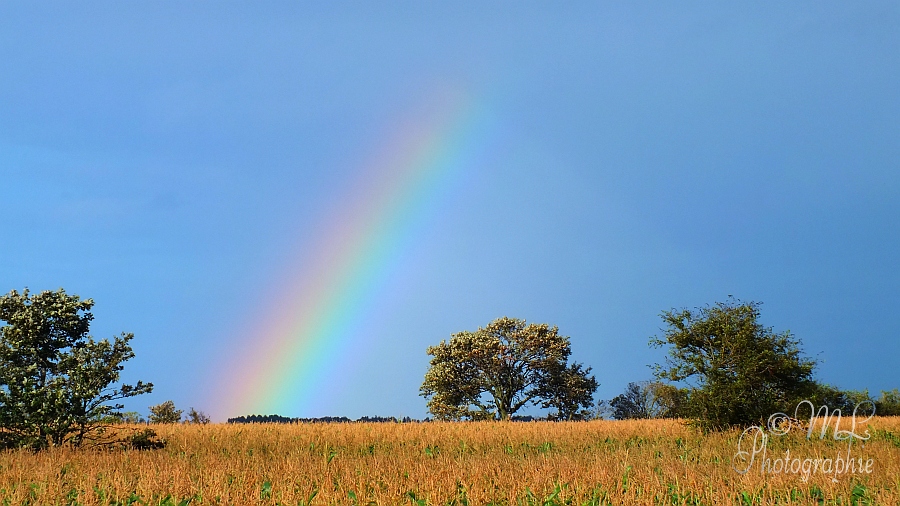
(738, 371)
(495, 371)
(56, 381)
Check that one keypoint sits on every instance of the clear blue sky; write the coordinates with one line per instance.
(165, 159)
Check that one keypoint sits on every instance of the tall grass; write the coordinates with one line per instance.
(600, 462)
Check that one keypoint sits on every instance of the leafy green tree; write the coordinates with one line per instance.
(56, 381)
(738, 371)
(495, 371)
(165, 413)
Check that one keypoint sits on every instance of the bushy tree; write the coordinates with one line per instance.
(165, 413)
(495, 371)
(738, 371)
(56, 381)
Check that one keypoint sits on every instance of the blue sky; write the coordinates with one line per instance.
(167, 159)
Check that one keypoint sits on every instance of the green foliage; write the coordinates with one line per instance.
(56, 382)
(165, 413)
(495, 371)
(739, 371)
(888, 436)
(265, 491)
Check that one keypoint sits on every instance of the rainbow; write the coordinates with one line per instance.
(316, 320)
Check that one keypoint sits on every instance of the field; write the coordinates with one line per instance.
(599, 462)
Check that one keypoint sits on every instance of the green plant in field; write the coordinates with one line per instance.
(168, 500)
(625, 478)
(888, 436)
(859, 495)
(312, 495)
(415, 499)
(462, 497)
(816, 494)
(265, 490)
(681, 498)
(551, 499)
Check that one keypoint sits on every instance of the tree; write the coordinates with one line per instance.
(165, 413)
(495, 371)
(738, 371)
(647, 399)
(56, 382)
(197, 417)
(639, 400)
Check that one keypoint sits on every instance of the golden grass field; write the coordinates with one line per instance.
(598, 462)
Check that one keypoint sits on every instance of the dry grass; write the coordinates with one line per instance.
(600, 462)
